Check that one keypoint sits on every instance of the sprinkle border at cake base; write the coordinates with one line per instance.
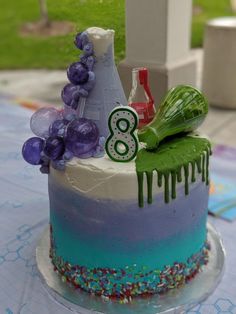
(124, 284)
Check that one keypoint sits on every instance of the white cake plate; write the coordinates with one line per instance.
(175, 301)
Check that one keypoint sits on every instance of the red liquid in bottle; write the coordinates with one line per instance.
(145, 112)
(141, 98)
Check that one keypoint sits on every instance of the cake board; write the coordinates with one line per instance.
(175, 301)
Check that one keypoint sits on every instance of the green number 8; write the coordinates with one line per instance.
(122, 144)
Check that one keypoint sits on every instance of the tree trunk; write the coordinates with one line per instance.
(44, 19)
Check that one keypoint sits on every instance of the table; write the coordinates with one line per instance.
(24, 212)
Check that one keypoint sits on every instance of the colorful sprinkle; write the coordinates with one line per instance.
(117, 284)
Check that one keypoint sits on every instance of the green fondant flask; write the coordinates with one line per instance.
(183, 110)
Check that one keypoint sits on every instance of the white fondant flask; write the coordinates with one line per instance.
(108, 90)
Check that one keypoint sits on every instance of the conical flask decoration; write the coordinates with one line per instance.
(108, 90)
(183, 110)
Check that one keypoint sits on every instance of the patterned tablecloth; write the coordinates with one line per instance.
(24, 215)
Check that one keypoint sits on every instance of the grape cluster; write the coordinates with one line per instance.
(80, 74)
(60, 137)
(60, 134)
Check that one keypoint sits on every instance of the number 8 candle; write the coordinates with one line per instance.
(122, 143)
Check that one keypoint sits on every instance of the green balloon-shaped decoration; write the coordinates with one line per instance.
(183, 110)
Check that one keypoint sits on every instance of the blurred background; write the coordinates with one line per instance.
(39, 33)
(36, 47)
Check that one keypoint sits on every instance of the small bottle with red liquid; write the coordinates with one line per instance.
(140, 98)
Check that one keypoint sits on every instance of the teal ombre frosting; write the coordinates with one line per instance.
(113, 252)
(118, 233)
(124, 283)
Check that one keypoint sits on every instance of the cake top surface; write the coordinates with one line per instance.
(98, 178)
(103, 164)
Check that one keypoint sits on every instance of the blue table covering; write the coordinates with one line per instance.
(24, 212)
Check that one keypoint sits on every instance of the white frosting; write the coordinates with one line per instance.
(102, 178)
(101, 39)
(99, 178)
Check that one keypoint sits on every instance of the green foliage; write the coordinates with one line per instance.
(54, 52)
(57, 52)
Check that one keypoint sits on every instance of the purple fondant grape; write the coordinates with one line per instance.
(68, 155)
(45, 159)
(58, 127)
(70, 94)
(91, 82)
(59, 164)
(54, 147)
(78, 41)
(82, 136)
(32, 149)
(42, 119)
(44, 169)
(81, 40)
(88, 49)
(89, 61)
(78, 73)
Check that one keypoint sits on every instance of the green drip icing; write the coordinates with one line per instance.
(159, 179)
(173, 184)
(207, 166)
(149, 186)
(198, 163)
(167, 191)
(168, 160)
(140, 189)
(193, 171)
(186, 175)
(179, 175)
(203, 168)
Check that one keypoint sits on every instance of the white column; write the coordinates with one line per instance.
(158, 37)
(219, 75)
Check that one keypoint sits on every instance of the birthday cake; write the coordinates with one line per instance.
(128, 207)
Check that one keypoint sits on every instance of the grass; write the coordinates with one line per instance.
(55, 52)
(18, 52)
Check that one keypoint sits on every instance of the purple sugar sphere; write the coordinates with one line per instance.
(78, 73)
(88, 49)
(31, 150)
(82, 136)
(70, 94)
(54, 147)
(58, 127)
(42, 119)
